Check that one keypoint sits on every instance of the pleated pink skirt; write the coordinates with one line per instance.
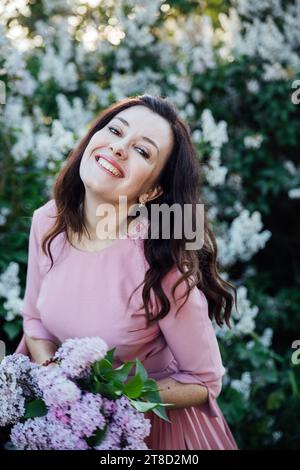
(191, 429)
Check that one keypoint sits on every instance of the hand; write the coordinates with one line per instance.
(49, 362)
(52, 364)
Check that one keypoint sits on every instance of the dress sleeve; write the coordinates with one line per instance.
(32, 324)
(192, 340)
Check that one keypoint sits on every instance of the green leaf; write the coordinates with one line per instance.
(161, 413)
(121, 373)
(150, 385)
(140, 370)
(110, 389)
(97, 437)
(134, 387)
(143, 406)
(35, 409)
(102, 366)
(152, 395)
(110, 355)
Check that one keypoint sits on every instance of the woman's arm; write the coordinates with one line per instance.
(181, 395)
(191, 338)
(40, 349)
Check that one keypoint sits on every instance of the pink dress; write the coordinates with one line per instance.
(86, 293)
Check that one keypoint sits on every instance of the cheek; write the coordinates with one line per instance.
(96, 141)
(141, 175)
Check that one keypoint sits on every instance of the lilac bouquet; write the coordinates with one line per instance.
(82, 403)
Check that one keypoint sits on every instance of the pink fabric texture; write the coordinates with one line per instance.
(86, 294)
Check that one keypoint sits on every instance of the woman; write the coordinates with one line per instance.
(121, 288)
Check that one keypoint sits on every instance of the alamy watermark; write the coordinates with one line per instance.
(2, 92)
(295, 98)
(296, 354)
(2, 350)
(161, 216)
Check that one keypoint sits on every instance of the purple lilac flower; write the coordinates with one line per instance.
(12, 401)
(109, 406)
(111, 439)
(63, 438)
(59, 413)
(57, 389)
(31, 435)
(44, 434)
(86, 415)
(131, 421)
(78, 354)
(20, 363)
(128, 428)
(135, 444)
(23, 369)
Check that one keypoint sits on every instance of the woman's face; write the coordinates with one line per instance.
(141, 161)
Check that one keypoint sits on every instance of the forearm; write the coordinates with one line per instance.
(181, 395)
(40, 349)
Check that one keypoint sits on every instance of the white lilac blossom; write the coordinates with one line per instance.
(243, 385)
(294, 193)
(123, 59)
(277, 435)
(13, 112)
(25, 84)
(53, 144)
(76, 355)
(253, 141)
(266, 338)
(53, 66)
(243, 238)
(136, 24)
(215, 134)
(10, 290)
(73, 116)
(289, 165)
(274, 39)
(253, 86)
(4, 212)
(25, 140)
(243, 320)
(146, 81)
(245, 317)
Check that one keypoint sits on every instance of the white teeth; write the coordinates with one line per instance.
(108, 166)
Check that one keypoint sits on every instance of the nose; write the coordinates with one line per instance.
(118, 150)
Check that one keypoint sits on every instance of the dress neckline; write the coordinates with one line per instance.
(138, 231)
(96, 252)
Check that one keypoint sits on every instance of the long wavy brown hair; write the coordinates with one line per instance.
(181, 180)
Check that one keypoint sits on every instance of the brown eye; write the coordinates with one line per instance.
(118, 133)
(144, 154)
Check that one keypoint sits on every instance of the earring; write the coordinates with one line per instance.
(141, 204)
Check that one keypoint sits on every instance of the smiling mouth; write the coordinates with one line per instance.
(107, 166)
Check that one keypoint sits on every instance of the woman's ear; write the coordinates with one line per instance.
(156, 192)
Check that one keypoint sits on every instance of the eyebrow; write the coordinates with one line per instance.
(143, 137)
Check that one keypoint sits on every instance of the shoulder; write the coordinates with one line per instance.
(46, 210)
(43, 217)
(196, 295)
